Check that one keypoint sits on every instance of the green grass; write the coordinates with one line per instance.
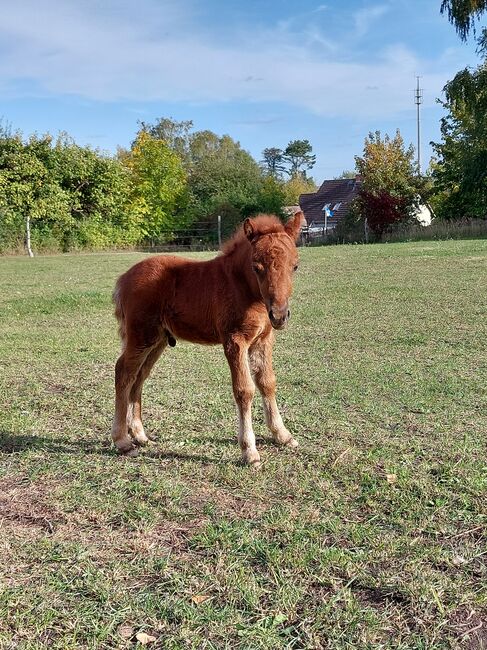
(371, 535)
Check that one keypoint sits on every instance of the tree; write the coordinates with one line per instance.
(65, 195)
(298, 155)
(460, 170)
(295, 186)
(223, 175)
(158, 186)
(98, 189)
(272, 162)
(27, 191)
(463, 14)
(390, 189)
(381, 210)
(346, 173)
(222, 178)
(271, 197)
(175, 134)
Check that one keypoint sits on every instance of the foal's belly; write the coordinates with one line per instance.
(194, 335)
(193, 330)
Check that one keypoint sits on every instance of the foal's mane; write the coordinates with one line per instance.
(263, 224)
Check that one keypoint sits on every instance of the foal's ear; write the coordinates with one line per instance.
(293, 226)
(249, 229)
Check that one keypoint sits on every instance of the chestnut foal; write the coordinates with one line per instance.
(235, 299)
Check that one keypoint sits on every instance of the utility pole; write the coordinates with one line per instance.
(418, 100)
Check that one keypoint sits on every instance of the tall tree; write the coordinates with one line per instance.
(158, 186)
(390, 190)
(222, 178)
(460, 170)
(175, 134)
(223, 175)
(272, 162)
(299, 157)
(27, 190)
(295, 186)
(463, 14)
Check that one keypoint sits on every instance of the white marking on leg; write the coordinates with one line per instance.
(261, 365)
(275, 424)
(130, 414)
(246, 436)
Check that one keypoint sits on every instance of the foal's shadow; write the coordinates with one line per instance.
(11, 443)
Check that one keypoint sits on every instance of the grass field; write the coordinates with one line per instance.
(372, 535)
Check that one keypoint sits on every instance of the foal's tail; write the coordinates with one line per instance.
(119, 313)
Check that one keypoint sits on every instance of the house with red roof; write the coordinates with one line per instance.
(325, 208)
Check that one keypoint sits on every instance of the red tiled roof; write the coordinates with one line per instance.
(341, 191)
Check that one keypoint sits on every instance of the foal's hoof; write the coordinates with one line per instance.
(141, 441)
(251, 458)
(288, 442)
(138, 435)
(291, 443)
(130, 452)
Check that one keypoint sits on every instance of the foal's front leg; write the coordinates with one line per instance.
(236, 351)
(260, 355)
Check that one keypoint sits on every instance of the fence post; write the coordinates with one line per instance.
(27, 236)
(219, 230)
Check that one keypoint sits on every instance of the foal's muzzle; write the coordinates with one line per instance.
(279, 317)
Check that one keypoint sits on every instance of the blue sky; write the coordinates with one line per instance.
(265, 72)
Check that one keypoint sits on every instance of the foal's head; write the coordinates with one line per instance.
(274, 260)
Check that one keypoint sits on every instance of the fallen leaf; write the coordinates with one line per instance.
(341, 456)
(391, 478)
(144, 638)
(199, 598)
(126, 631)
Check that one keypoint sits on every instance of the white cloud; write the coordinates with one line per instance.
(364, 18)
(158, 51)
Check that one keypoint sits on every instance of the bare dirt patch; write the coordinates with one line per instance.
(224, 504)
(27, 513)
(24, 508)
(469, 627)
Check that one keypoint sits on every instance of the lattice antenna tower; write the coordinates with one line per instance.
(418, 100)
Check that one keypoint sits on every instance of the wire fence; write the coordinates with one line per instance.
(201, 237)
(209, 237)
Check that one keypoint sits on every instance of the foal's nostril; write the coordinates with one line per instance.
(271, 315)
(288, 313)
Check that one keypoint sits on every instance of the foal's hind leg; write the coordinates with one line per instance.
(126, 371)
(260, 356)
(134, 413)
